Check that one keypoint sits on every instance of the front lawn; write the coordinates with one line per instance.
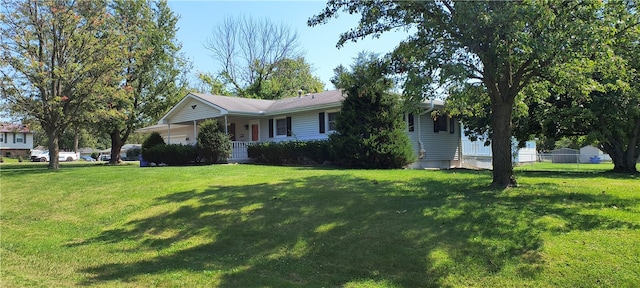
(249, 226)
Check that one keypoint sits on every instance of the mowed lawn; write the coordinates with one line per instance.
(263, 226)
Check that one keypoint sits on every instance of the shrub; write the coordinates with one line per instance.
(171, 154)
(290, 152)
(375, 139)
(133, 154)
(214, 145)
(154, 139)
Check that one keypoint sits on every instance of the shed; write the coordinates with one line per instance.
(589, 151)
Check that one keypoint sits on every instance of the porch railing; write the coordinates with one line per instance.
(239, 150)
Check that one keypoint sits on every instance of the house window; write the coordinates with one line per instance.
(440, 124)
(19, 138)
(410, 122)
(327, 120)
(280, 127)
(1, 137)
(331, 120)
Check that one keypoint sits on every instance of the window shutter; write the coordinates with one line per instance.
(288, 126)
(271, 128)
(435, 125)
(14, 137)
(321, 121)
(452, 125)
(411, 122)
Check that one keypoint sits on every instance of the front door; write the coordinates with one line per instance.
(255, 132)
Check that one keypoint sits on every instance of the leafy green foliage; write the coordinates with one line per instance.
(59, 61)
(213, 143)
(171, 154)
(502, 46)
(369, 128)
(290, 76)
(290, 152)
(152, 140)
(154, 72)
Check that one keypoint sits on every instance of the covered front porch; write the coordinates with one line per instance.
(243, 131)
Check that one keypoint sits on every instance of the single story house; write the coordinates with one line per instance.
(306, 117)
(15, 140)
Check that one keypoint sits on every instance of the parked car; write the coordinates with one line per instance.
(87, 158)
(43, 156)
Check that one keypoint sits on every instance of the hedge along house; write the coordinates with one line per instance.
(305, 117)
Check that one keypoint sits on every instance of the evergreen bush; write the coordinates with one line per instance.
(213, 143)
(370, 127)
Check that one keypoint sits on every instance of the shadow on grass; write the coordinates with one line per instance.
(332, 230)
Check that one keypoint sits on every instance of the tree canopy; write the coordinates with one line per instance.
(496, 47)
(56, 62)
(260, 59)
(152, 68)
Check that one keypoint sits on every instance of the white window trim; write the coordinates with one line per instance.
(326, 120)
(275, 127)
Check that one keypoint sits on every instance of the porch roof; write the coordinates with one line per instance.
(159, 128)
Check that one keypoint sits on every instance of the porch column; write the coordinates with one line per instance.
(169, 133)
(195, 131)
(226, 127)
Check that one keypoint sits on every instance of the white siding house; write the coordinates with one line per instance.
(306, 117)
(15, 140)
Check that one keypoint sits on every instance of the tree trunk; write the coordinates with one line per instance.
(54, 150)
(624, 160)
(501, 144)
(76, 140)
(116, 146)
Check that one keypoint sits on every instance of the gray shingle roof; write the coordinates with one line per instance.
(305, 102)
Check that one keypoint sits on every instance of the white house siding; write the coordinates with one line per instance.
(179, 136)
(10, 141)
(10, 146)
(305, 126)
(439, 146)
(187, 114)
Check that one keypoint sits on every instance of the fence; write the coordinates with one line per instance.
(572, 161)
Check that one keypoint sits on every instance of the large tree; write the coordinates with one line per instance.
(255, 55)
(604, 105)
(503, 45)
(57, 60)
(154, 78)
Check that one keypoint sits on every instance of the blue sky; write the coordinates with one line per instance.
(198, 18)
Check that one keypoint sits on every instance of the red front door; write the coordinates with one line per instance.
(254, 132)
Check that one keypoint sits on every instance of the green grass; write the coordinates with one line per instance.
(263, 226)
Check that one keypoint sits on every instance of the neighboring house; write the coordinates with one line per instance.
(15, 140)
(306, 117)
